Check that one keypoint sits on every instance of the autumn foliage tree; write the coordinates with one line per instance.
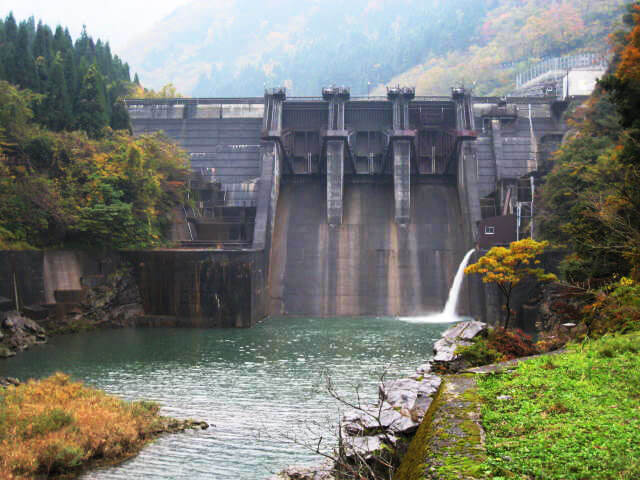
(509, 267)
(65, 188)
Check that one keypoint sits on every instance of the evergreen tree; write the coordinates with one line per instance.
(92, 106)
(25, 67)
(49, 63)
(42, 45)
(58, 104)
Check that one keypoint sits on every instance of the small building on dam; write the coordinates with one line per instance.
(341, 206)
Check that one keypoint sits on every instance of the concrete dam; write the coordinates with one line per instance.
(340, 206)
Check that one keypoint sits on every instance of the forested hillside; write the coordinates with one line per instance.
(590, 202)
(70, 171)
(82, 80)
(513, 35)
(236, 47)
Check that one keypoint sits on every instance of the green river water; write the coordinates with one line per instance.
(258, 388)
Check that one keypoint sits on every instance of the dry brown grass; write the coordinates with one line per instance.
(55, 426)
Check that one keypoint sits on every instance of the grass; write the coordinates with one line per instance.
(55, 426)
(573, 416)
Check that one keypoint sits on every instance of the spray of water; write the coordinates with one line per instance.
(448, 315)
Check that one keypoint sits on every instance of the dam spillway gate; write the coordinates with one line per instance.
(337, 206)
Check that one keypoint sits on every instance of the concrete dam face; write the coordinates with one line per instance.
(368, 265)
(338, 206)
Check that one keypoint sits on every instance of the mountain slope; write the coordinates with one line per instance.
(514, 34)
(236, 47)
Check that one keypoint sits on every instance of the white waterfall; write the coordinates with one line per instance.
(448, 315)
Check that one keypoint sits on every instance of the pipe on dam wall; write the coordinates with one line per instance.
(369, 265)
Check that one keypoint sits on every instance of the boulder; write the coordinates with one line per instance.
(405, 392)
(5, 352)
(321, 472)
(403, 405)
(21, 332)
(6, 381)
(445, 358)
(465, 331)
(366, 447)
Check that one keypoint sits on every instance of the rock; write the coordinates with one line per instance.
(504, 398)
(405, 392)
(21, 332)
(175, 426)
(5, 352)
(404, 404)
(366, 447)
(14, 320)
(423, 369)
(445, 349)
(568, 325)
(321, 472)
(445, 357)
(465, 331)
(6, 381)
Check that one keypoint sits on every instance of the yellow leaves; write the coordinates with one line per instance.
(509, 266)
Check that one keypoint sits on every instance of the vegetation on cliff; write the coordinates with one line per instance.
(55, 426)
(570, 416)
(590, 202)
(67, 178)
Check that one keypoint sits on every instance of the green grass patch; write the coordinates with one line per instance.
(573, 416)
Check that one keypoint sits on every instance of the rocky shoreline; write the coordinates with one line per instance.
(114, 303)
(369, 434)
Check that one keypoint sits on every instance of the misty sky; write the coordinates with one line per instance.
(114, 20)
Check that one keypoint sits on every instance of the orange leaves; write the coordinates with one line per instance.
(629, 66)
(53, 425)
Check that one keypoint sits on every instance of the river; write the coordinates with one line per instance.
(257, 387)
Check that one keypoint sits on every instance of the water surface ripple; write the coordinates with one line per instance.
(257, 387)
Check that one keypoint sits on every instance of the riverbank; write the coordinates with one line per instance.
(56, 427)
(571, 415)
(568, 414)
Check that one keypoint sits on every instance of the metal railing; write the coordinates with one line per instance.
(562, 64)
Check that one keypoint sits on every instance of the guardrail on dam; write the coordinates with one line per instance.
(337, 205)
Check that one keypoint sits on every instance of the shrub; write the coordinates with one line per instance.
(479, 353)
(47, 421)
(511, 343)
(616, 309)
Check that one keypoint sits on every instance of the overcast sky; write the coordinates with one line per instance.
(114, 20)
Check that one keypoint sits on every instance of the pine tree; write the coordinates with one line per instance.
(58, 104)
(136, 80)
(92, 106)
(26, 75)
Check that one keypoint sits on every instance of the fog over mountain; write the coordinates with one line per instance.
(236, 47)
